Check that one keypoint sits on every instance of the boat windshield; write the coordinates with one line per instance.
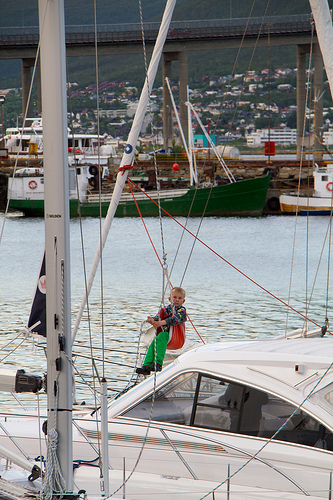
(205, 401)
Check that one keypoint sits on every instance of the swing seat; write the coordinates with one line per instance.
(176, 335)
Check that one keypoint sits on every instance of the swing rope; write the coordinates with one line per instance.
(226, 261)
(156, 253)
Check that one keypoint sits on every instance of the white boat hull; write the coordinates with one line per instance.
(305, 204)
(204, 446)
(177, 455)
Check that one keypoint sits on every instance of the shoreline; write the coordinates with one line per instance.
(285, 175)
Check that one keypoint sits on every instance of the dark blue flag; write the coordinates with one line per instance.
(38, 308)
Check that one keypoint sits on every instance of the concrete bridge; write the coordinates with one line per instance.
(183, 37)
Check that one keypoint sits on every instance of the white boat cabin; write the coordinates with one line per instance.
(28, 183)
(323, 181)
(82, 148)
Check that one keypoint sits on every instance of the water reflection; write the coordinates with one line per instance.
(222, 303)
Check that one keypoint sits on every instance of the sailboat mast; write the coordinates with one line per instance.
(323, 21)
(189, 157)
(56, 183)
(128, 155)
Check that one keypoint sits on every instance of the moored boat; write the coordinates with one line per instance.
(242, 198)
(320, 202)
(26, 142)
(230, 418)
(238, 416)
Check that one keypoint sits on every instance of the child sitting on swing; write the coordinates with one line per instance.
(173, 314)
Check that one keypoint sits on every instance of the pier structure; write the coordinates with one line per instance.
(184, 37)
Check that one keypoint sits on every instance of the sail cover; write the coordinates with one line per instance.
(38, 308)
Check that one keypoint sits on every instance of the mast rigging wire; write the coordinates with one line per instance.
(158, 257)
(228, 262)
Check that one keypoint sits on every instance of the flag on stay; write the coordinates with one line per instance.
(38, 308)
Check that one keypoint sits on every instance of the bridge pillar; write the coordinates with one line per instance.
(300, 93)
(168, 57)
(318, 103)
(27, 64)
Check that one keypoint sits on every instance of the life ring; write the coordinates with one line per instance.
(32, 184)
(329, 186)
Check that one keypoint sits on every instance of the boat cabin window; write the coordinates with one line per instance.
(199, 400)
(170, 402)
(324, 178)
(329, 397)
(73, 143)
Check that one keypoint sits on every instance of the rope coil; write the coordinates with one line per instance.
(54, 480)
(124, 168)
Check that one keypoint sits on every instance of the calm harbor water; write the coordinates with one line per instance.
(221, 302)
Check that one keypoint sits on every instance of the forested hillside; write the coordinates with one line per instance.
(23, 13)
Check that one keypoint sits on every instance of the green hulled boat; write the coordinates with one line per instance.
(242, 198)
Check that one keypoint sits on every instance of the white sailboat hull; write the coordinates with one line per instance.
(190, 457)
(206, 452)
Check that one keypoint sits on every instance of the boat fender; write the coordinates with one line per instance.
(93, 170)
(273, 204)
(329, 186)
(32, 184)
